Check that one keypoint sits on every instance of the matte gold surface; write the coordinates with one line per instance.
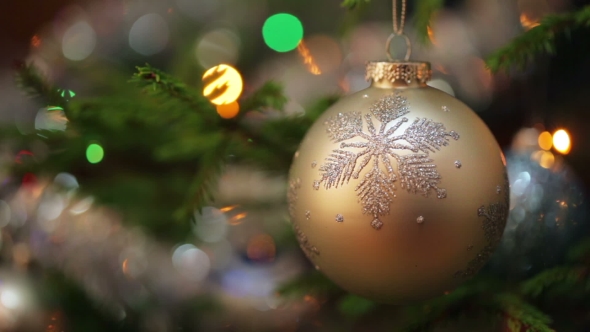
(424, 241)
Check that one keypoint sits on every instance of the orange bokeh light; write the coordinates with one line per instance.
(545, 140)
(228, 111)
(36, 41)
(308, 59)
(261, 248)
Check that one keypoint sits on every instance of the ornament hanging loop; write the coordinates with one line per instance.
(388, 46)
(398, 31)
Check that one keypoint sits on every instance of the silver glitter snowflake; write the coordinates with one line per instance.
(377, 148)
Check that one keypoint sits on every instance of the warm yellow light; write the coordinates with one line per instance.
(228, 111)
(431, 35)
(545, 159)
(228, 208)
(223, 84)
(527, 22)
(238, 218)
(561, 141)
(308, 60)
(545, 140)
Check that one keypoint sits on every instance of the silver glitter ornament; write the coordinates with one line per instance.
(548, 214)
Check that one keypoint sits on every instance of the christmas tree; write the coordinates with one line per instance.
(145, 169)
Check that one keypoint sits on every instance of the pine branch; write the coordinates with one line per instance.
(520, 313)
(354, 306)
(155, 81)
(351, 4)
(425, 316)
(270, 95)
(312, 283)
(205, 181)
(425, 9)
(579, 252)
(538, 40)
(31, 81)
(556, 276)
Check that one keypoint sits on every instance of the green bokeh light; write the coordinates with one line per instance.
(94, 153)
(282, 32)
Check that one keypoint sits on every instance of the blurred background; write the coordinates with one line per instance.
(70, 259)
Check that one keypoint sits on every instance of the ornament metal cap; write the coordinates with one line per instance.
(388, 74)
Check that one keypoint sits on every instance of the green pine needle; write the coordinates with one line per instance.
(268, 96)
(538, 40)
(565, 275)
(354, 306)
(31, 81)
(156, 82)
(519, 313)
(579, 252)
(311, 283)
(351, 4)
(424, 316)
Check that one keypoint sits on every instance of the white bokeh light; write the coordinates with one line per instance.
(149, 34)
(218, 46)
(78, 41)
(191, 262)
(211, 224)
(10, 299)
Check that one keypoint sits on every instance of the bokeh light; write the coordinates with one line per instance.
(211, 224)
(67, 94)
(94, 153)
(261, 248)
(82, 206)
(10, 298)
(218, 46)
(561, 141)
(35, 41)
(545, 140)
(51, 118)
(545, 159)
(238, 218)
(66, 180)
(223, 84)
(191, 262)
(78, 41)
(228, 111)
(49, 209)
(308, 60)
(527, 22)
(321, 54)
(149, 34)
(282, 32)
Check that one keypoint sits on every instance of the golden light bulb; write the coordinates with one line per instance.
(223, 84)
(561, 141)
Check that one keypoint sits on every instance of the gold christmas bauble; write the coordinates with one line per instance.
(399, 192)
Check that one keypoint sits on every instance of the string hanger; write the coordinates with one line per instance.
(398, 31)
